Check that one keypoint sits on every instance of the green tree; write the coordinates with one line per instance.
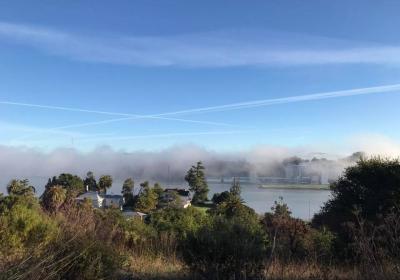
(71, 183)
(147, 199)
(220, 197)
(197, 182)
(371, 187)
(234, 207)
(178, 221)
(90, 182)
(20, 187)
(232, 195)
(24, 228)
(127, 192)
(105, 182)
(53, 198)
(365, 194)
(288, 234)
(158, 189)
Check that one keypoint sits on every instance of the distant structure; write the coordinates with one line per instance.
(169, 195)
(292, 173)
(102, 200)
(94, 197)
(134, 215)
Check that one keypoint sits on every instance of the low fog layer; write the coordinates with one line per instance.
(166, 165)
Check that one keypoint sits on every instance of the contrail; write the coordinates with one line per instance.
(166, 135)
(126, 115)
(220, 108)
(285, 100)
(59, 129)
(264, 102)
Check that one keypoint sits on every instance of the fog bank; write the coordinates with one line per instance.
(167, 165)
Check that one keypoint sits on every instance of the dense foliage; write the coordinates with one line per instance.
(54, 237)
(365, 194)
(197, 182)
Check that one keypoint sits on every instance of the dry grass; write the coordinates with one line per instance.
(309, 271)
(157, 267)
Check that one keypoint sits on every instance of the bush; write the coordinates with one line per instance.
(293, 239)
(369, 191)
(24, 228)
(226, 248)
(178, 221)
(74, 244)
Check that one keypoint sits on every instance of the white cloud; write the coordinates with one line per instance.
(376, 145)
(213, 49)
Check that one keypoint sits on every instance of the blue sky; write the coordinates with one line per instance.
(69, 70)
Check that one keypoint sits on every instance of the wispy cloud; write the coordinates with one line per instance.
(213, 49)
(164, 135)
(394, 89)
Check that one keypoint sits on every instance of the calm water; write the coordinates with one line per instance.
(303, 203)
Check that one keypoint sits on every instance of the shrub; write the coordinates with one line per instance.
(24, 228)
(369, 190)
(226, 248)
(178, 221)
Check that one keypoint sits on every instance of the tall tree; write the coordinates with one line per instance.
(53, 198)
(147, 199)
(73, 184)
(370, 189)
(105, 182)
(90, 182)
(127, 192)
(20, 187)
(197, 182)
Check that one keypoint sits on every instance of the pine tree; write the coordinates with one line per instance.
(197, 182)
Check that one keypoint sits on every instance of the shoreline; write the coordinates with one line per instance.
(295, 186)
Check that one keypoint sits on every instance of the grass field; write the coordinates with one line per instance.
(296, 186)
(202, 208)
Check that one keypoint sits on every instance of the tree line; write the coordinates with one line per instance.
(356, 235)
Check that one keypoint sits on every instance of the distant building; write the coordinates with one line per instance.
(96, 199)
(102, 201)
(113, 201)
(169, 195)
(134, 214)
(294, 171)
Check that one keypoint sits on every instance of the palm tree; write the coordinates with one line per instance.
(20, 187)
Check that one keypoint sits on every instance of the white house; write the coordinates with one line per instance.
(134, 214)
(96, 199)
(102, 201)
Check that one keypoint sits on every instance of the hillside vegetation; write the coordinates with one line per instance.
(356, 235)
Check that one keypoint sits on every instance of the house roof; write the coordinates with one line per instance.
(134, 213)
(181, 192)
(91, 195)
(116, 196)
